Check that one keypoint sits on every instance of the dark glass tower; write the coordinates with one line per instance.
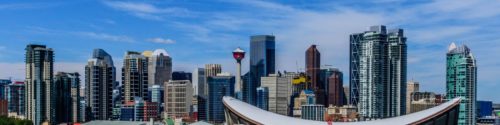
(218, 87)
(262, 63)
(67, 96)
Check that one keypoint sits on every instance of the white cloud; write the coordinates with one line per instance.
(161, 40)
(106, 37)
(146, 11)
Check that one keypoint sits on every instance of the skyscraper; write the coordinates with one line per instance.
(334, 89)
(4, 84)
(411, 87)
(262, 98)
(159, 67)
(277, 86)
(313, 63)
(100, 75)
(68, 100)
(178, 98)
(262, 63)
(198, 80)
(218, 87)
(378, 72)
(16, 99)
(203, 109)
(461, 81)
(39, 84)
(134, 77)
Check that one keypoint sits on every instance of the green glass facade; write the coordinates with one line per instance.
(461, 81)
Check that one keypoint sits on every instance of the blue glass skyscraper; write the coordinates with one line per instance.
(263, 98)
(262, 63)
(218, 87)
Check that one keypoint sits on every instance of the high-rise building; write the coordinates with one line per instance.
(313, 63)
(313, 112)
(178, 98)
(289, 77)
(411, 87)
(332, 79)
(67, 96)
(134, 77)
(198, 80)
(262, 63)
(156, 93)
(100, 75)
(39, 84)
(238, 54)
(15, 97)
(181, 75)
(159, 67)
(218, 87)
(4, 107)
(4, 84)
(210, 70)
(262, 98)
(378, 72)
(199, 92)
(461, 81)
(277, 86)
(346, 94)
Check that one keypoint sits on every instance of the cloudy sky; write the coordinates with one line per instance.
(199, 32)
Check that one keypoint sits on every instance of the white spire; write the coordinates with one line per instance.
(452, 46)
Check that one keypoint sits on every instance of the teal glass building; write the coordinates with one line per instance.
(461, 81)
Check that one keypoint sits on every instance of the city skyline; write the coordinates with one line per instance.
(74, 37)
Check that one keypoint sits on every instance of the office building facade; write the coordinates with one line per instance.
(218, 87)
(263, 98)
(134, 77)
(100, 75)
(313, 112)
(278, 87)
(16, 99)
(262, 63)
(67, 96)
(411, 87)
(333, 82)
(39, 84)
(178, 98)
(461, 81)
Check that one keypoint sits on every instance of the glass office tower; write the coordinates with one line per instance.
(262, 63)
(378, 72)
(461, 81)
(218, 87)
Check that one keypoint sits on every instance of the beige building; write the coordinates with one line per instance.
(178, 98)
(278, 93)
(424, 100)
(346, 113)
(411, 87)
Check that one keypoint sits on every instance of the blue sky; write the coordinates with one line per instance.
(199, 32)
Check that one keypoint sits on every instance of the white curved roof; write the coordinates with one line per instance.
(157, 52)
(270, 118)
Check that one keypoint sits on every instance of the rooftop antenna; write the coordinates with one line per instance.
(297, 65)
